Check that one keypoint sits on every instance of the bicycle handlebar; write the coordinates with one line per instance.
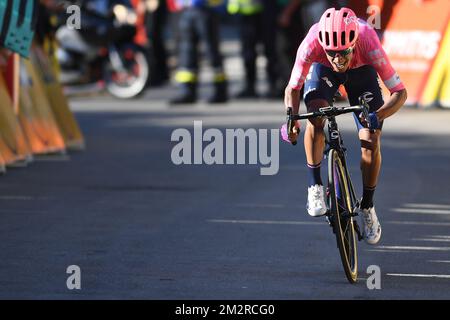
(324, 112)
(328, 112)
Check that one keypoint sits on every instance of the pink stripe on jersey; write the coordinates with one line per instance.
(368, 51)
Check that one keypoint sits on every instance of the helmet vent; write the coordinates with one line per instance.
(335, 39)
(345, 14)
(352, 35)
(320, 37)
(327, 39)
(343, 38)
(328, 14)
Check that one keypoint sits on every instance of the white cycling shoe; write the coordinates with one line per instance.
(372, 227)
(316, 201)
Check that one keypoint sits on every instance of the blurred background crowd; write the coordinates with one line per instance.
(177, 35)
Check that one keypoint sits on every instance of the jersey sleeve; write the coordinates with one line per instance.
(378, 58)
(304, 59)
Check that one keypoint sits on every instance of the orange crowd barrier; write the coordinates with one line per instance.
(35, 113)
(14, 146)
(65, 119)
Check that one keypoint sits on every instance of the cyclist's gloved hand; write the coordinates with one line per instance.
(373, 118)
(291, 136)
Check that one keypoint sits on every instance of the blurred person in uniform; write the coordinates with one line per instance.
(199, 20)
(290, 33)
(258, 24)
(155, 20)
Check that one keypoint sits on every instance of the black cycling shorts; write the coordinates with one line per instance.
(322, 83)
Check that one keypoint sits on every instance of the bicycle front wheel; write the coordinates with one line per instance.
(341, 215)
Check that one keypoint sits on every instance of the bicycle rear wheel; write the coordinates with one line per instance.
(340, 205)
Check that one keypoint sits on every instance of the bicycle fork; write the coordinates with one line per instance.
(355, 203)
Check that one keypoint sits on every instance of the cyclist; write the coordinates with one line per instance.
(343, 50)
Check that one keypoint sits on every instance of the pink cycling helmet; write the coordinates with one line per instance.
(338, 29)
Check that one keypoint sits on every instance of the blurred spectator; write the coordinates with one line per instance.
(291, 33)
(155, 20)
(198, 20)
(258, 24)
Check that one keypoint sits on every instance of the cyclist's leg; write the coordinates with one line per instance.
(320, 86)
(364, 81)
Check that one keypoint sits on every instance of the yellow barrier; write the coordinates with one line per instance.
(13, 142)
(35, 114)
(445, 89)
(65, 119)
(438, 85)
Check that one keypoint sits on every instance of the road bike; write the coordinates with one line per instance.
(341, 198)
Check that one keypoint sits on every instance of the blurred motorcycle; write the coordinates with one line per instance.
(101, 54)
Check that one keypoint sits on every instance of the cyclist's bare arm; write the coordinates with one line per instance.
(378, 58)
(292, 99)
(394, 104)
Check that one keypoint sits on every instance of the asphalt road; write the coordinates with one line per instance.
(140, 227)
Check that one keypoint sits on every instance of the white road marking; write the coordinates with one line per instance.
(381, 250)
(420, 223)
(431, 240)
(268, 222)
(441, 276)
(414, 248)
(17, 198)
(21, 211)
(440, 237)
(439, 261)
(422, 211)
(427, 205)
(260, 205)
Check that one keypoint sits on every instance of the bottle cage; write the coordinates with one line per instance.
(18, 23)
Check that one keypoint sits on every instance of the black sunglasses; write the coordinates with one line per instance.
(342, 53)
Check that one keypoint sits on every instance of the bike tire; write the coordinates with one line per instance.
(341, 215)
(139, 83)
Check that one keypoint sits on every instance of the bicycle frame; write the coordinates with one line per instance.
(336, 142)
(340, 192)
